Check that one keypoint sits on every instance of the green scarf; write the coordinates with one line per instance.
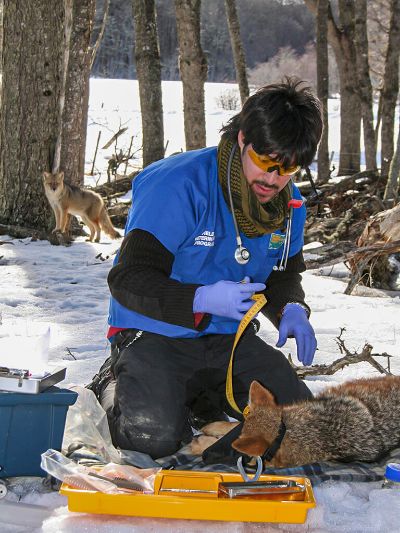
(254, 219)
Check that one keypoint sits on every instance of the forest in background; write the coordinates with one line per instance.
(48, 51)
(266, 27)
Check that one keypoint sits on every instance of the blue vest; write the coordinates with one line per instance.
(180, 201)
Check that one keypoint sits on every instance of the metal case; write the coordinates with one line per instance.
(20, 380)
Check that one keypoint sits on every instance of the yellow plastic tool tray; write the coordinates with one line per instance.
(196, 505)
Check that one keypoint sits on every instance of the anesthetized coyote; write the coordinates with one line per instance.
(66, 199)
(355, 421)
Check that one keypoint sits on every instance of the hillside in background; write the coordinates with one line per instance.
(266, 26)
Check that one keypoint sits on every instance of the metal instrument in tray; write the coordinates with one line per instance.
(21, 380)
(281, 488)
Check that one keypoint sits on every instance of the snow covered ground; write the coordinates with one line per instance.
(65, 288)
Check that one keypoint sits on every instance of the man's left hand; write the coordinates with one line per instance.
(295, 323)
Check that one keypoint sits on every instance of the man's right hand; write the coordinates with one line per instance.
(230, 299)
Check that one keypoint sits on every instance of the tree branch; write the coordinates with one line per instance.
(349, 358)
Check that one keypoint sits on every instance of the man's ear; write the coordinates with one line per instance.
(254, 446)
(259, 396)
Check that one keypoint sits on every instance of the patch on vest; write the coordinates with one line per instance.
(207, 238)
(276, 241)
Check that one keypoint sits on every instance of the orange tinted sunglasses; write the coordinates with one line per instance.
(268, 164)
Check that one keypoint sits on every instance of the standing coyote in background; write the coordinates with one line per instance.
(355, 421)
(66, 199)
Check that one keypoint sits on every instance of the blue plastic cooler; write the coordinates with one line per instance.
(30, 424)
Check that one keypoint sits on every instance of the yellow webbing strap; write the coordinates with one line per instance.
(259, 302)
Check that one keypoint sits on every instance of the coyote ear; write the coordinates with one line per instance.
(260, 395)
(61, 174)
(250, 445)
(45, 174)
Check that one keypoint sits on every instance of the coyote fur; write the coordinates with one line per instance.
(355, 421)
(66, 199)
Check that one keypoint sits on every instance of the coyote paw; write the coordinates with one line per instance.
(218, 429)
(201, 443)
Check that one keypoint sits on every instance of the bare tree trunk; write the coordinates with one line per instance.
(378, 25)
(364, 82)
(32, 67)
(193, 70)
(391, 196)
(148, 68)
(78, 57)
(323, 88)
(1, 39)
(237, 49)
(350, 109)
(342, 42)
(99, 36)
(390, 88)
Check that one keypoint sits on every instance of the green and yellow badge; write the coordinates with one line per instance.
(276, 241)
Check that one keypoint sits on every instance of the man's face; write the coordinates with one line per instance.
(265, 185)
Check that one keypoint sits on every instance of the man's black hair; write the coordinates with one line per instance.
(282, 118)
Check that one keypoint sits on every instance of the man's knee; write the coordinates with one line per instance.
(129, 434)
(149, 445)
(143, 431)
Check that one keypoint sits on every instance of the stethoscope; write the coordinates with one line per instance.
(242, 254)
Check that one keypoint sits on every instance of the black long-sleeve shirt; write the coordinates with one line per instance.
(141, 282)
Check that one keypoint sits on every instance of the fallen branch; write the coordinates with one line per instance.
(114, 137)
(343, 251)
(328, 254)
(360, 258)
(21, 232)
(344, 184)
(116, 195)
(57, 238)
(377, 248)
(122, 185)
(350, 358)
(70, 353)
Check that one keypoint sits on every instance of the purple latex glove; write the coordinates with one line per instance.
(295, 323)
(230, 299)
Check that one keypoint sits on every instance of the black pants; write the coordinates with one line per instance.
(158, 379)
